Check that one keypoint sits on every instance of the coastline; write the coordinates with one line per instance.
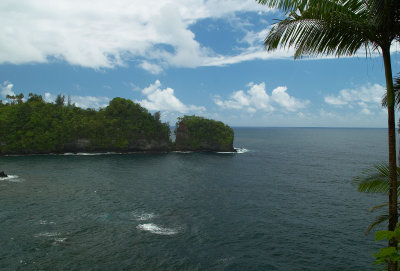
(94, 153)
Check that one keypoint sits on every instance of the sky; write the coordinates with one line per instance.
(183, 57)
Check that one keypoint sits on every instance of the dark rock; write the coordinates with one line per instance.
(3, 175)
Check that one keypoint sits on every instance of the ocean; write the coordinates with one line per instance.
(285, 201)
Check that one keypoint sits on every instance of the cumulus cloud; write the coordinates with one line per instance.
(151, 67)
(81, 101)
(159, 99)
(106, 34)
(256, 98)
(367, 98)
(6, 89)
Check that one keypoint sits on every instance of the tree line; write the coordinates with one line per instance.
(36, 126)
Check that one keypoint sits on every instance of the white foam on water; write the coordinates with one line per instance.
(183, 151)
(237, 150)
(47, 234)
(89, 153)
(241, 150)
(153, 228)
(11, 178)
(100, 153)
(60, 240)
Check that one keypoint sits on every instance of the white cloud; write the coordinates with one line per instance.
(106, 34)
(151, 67)
(159, 99)
(81, 101)
(90, 101)
(281, 97)
(366, 98)
(256, 98)
(6, 89)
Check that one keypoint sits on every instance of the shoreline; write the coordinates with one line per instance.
(96, 153)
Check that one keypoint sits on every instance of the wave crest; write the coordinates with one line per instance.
(153, 228)
(12, 178)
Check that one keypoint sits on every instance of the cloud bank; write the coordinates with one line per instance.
(104, 34)
(256, 99)
(367, 98)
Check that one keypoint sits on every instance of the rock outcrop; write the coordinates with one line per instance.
(200, 134)
(3, 175)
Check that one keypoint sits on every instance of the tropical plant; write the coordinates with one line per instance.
(376, 180)
(396, 89)
(342, 27)
(388, 254)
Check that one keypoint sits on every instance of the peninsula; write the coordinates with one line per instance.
(35, 126)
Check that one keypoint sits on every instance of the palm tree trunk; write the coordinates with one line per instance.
(392, 266)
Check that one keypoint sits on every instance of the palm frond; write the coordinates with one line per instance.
(378, 220)
(312, 32)
(396, 88)
(338, 27)
(376, 207)
(375, 180)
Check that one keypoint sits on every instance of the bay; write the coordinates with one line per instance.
(285, 202)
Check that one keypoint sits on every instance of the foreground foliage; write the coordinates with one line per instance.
(376, 180)
(388, 254)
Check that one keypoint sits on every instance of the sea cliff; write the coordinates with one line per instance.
(200, 134)
(38, 127)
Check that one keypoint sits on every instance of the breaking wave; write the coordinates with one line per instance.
(11, 178)
(89, 153)
(153, 228)
(237, 150)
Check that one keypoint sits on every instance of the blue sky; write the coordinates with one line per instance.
(183, 57)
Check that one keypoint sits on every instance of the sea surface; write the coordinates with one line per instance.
(286, 201)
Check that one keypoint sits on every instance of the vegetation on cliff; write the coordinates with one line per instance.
(200, 134)
(35, 126)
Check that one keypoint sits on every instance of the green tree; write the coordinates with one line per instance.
(60, 100)
(342, 27)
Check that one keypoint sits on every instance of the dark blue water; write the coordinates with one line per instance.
(288, 203)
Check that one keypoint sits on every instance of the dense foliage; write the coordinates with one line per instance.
(198, 133)
(35, 126)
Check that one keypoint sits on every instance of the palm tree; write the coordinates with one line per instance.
(396, 88)
(342, 27)
(376, 179)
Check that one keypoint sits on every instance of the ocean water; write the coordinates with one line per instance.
(285, 202)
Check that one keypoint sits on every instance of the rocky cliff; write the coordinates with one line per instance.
(200, 134)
